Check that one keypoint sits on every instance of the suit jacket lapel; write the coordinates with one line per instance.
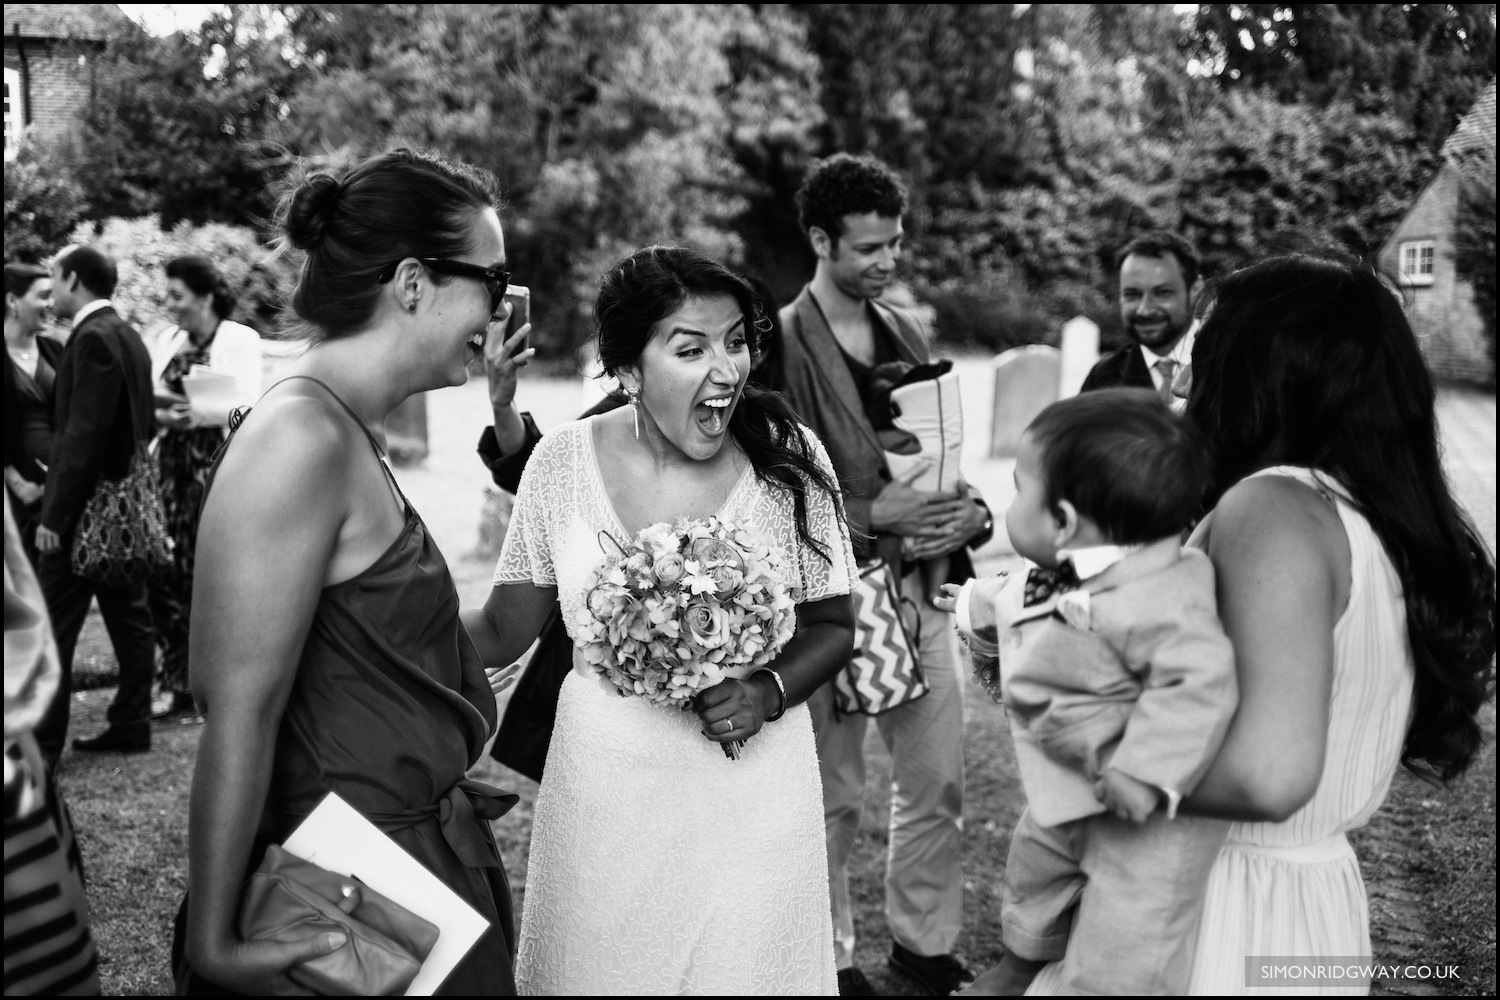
(829, 364)
(1137, 372)
(908, 342)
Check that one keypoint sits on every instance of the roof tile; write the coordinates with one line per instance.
(1476, 129)
(84, 21)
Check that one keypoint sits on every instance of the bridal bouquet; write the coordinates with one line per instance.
(681, 607)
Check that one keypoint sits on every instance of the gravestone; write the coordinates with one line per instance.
(1026, 381)
(1080, 349)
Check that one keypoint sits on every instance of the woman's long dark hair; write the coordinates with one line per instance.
(649, 285)
(1311, 362)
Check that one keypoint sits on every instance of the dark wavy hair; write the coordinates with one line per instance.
(1125, 461)
(202, 278)
(647, 286)
(768, 348)
(20, 276)
(398, 204)
(844, 185)
(1311, 362)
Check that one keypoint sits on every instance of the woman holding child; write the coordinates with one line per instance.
(1358, 596)
(1359, 605)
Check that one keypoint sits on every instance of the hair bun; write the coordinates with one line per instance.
(312, 208)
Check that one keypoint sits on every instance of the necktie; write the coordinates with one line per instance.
(1168, 369)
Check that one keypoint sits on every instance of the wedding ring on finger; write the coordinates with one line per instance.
(728, 725)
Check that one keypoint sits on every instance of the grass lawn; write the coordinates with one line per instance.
(1428, 855)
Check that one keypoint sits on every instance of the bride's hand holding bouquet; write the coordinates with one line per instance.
(689, 616)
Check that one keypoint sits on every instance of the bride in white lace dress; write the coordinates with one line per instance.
(658, 865)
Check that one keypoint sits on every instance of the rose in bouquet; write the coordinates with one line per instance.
(680, 607)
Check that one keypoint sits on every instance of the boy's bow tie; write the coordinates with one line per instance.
(1042, 583)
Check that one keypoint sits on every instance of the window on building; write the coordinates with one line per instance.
(13, 120)
(1416, 262)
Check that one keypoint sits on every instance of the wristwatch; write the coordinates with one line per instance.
(989, 518)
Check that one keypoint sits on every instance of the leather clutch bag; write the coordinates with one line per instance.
(289, 899)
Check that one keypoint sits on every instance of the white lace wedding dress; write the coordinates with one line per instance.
(658, 865)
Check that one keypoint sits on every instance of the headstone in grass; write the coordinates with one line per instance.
(1026, 380)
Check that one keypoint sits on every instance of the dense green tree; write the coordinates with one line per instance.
(1263, 175)
(936, 90)
(1474, 252)
(43, 202)
(179, 121)
(1421, 62)
(609, 125)
(1035, 138)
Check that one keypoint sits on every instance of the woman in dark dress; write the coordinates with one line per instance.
(30, 372)
(326, 647)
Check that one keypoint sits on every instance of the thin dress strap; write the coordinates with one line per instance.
(380, 454)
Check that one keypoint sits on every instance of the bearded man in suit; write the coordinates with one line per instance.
(1159, 280)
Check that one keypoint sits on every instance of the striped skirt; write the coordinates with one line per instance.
(48, 948)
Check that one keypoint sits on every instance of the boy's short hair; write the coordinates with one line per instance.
(845, 184)
(1125, 461)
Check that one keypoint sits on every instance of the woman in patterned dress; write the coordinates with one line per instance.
(199, 301)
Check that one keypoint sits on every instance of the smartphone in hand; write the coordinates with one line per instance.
(519, 297)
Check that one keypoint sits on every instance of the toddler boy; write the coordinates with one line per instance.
(1119, 684)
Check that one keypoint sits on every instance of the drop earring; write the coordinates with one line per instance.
(635, 409)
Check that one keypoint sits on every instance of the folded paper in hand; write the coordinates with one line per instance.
(336, 837)
(210, 390)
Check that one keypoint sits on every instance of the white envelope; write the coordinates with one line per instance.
(209, 390)
(336, 837)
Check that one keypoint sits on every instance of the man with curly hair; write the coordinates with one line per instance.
(836, 332)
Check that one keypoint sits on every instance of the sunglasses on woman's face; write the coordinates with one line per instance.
(495, 280)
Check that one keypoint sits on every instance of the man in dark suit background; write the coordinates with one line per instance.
(1159, 280)
(104, 407)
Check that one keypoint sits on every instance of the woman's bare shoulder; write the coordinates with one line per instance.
(1278, 519)
(1277, 505)
(292, 443)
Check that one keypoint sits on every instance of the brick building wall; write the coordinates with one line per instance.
(58, 76)
(1443, 314)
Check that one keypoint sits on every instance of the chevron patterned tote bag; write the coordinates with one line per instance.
(884, 672)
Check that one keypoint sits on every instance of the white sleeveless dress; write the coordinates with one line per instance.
(659, 866)
(1293, 888)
